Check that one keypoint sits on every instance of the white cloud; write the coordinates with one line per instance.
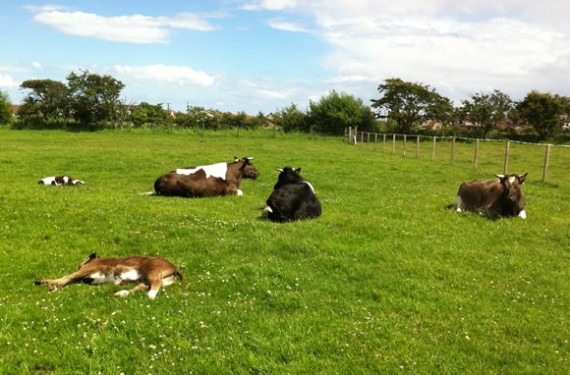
(164, 74)
(270, 5)
(131, 29)
(8, 82)
(460, 47)
(287, 26)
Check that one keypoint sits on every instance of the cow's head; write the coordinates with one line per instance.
(288, 175)
(512, 185)
(88, 259)
(247, 169)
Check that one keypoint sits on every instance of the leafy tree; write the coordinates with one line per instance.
(409, 103)
(95, 98)
(5, 110)
(544, 112)
(332, 114)
(47, 100)
(290, 118)
(487, 110)
(146, 114)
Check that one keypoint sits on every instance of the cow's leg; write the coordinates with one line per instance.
(124, 293)
(459, 204)
(55, 284)
(154, 279)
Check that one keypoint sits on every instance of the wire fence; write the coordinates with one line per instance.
(415, 145)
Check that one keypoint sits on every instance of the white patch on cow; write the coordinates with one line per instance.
(152, 294)
(168, 281)
(122, 293)
(131, 275)
(512, 179)
(101, 278)
(75, 182)
(239, 192)
(47, 180)
(65, 180)
(522, 214)
(311, 186)
(217, 170)
(267, 209)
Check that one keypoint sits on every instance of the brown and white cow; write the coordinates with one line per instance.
(493, 198)
(60, 181)
(206, 181)
(147, 272)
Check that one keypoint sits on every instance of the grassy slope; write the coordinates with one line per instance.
(387, 280)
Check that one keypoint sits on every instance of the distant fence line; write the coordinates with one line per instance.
(353, 136)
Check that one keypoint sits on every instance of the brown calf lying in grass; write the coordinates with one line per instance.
(147, 272)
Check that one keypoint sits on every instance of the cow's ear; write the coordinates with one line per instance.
(236, 159)
(298, 170)
(501, 177)
(522, 178)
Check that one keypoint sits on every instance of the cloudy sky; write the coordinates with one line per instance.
(263, 55)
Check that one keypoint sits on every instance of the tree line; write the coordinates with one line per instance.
(538, 116)
(92, 101)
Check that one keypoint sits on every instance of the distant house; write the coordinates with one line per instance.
(171, 113)
(14, 108)
(431, 124)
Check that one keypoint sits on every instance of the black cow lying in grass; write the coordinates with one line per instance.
(292, 198)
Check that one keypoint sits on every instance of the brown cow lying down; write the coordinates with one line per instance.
(493, 198)
(146, 272)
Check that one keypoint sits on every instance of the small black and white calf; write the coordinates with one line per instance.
(60, 181)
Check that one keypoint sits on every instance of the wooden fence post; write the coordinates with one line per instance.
(506, 163)
(433, 148)
(361, 137)
(417, 147)
(476, 158)
(375, 137)
(393, 143)
(383, 142)
(452, 158)
(546, 161)
(405, 145)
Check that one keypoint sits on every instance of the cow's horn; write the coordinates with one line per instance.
(279, 169)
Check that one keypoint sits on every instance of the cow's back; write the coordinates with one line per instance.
(479, 194)
(293, 202)
(191, 186)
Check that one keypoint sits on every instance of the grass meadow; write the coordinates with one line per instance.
(389, 279)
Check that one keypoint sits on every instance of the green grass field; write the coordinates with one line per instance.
(388, 280)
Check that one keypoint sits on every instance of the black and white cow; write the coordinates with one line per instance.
(292, 198)
(493, 198)
(60, 181)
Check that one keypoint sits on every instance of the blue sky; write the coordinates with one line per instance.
(263, 55)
